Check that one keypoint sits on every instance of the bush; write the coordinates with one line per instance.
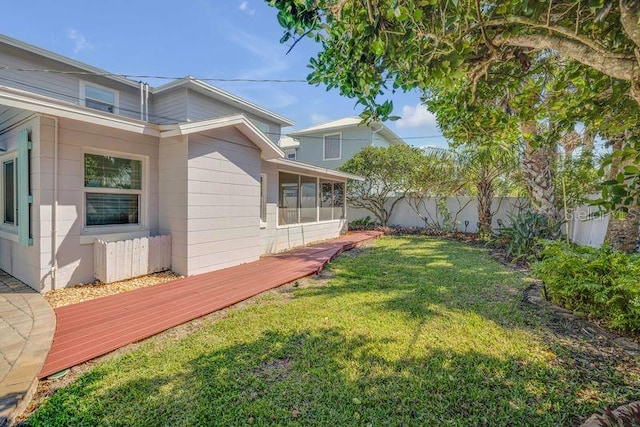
(603, 283)
(365, 223)
(522, 240)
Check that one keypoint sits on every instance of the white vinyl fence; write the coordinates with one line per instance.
(584, 227)
(124, 259)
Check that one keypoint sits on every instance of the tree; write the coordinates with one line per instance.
(370, 47)
(387, 173)
(436, 176)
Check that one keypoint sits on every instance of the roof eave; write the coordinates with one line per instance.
(317, 169)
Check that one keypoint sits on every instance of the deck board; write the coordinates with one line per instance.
(93, 328)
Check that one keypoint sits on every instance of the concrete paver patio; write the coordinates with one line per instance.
(27, 324)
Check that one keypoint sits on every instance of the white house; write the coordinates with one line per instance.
(89, 155)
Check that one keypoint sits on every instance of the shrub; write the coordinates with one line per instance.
(604, 283)
(365, 223)
(522, 240)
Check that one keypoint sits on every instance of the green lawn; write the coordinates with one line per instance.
(414, 331)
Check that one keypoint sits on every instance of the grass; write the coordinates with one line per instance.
(414, 331)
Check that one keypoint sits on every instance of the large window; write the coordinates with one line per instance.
(9, 185)
(332, 147)
(113, 190)
(99, 98)
(305, 199)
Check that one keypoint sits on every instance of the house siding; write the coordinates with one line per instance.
(65, 87)
(23, 262)
(172, 197)
(169, 107)
(311, 148)
(223, 200)
(75, 259)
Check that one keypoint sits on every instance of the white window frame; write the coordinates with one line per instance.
(263, 199)
(295, 154)
(83, 95)
(324, 146)
(13, 156)
(143, 192)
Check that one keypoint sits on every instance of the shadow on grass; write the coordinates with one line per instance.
(317, 377)
(363, 371)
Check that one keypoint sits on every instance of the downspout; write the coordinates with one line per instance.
(146, 101)
(141, 100)
(54, 209)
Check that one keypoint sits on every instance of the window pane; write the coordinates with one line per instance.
(112, 172)
(112, 209)
(326, 201)
(288, 199)
(338, 200)
(98, 94)
(9, 193)
(332, 147)
(97, 105)
(308, 199)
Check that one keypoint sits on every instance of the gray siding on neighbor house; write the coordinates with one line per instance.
(311, 148)
(223, 200)
(65, 87)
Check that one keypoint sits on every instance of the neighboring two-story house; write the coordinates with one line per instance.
(331, 144)
(86, 155)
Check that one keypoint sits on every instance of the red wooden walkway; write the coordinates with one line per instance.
(93, 328)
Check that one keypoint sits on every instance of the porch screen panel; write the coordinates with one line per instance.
(326, 200)
(338, 200)
(308, 199)
(288, 198)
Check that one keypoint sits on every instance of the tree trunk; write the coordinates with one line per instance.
(623, 231)
(485, 197)
(537, 164)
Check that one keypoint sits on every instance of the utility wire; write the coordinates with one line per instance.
(175, 120)
(147, 76)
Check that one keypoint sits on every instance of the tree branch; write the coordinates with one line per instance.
(629, 12)
(599, 59)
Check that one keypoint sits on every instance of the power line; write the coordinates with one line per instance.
(149, 76)
(135, 114)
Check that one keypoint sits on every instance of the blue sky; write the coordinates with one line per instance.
(203, 38)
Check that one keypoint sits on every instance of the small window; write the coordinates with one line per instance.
(113, 190)
(9, 178)
(291, 155)
(99, 98)
(263, 197)
(332, 147)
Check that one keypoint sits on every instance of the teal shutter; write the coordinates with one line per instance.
(24, 194)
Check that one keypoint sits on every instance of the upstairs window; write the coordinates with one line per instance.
(332, 146)
(291, 155)
(99, 98)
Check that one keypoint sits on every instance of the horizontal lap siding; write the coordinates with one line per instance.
(65, 87)
(223, 201)
(75, 260)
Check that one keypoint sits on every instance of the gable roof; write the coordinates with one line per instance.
(350, 122)
(268, 149)
(222, 95)
(65, 60)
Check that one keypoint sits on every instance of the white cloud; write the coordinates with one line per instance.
(317, 118)
(80, 42)
(244, 7)
(415, 116)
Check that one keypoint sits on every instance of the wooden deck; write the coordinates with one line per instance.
(93, 328)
